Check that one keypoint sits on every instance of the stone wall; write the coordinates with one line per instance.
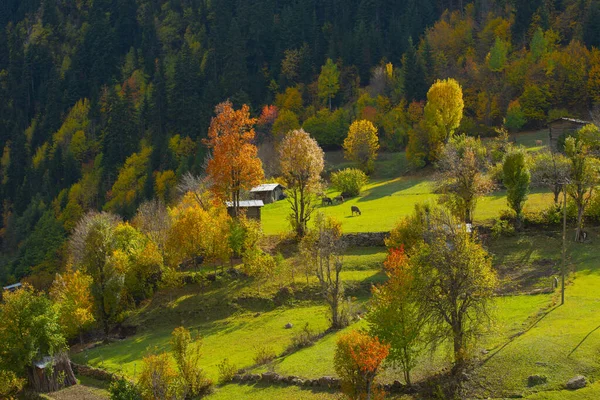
(324, 382)
(365, 239)
(92, 372)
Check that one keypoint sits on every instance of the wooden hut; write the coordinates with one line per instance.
(250, 207)
(268, 192)
(563, 126)
(50, 374)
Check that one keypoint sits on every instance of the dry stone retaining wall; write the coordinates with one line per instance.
(365, 239)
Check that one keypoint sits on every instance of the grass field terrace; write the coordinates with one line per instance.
(531, 334)
(393, 192)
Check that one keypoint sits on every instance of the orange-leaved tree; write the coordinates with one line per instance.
(234, 165)
(357, 359)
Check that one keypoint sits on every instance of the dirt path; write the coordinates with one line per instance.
(79, 392)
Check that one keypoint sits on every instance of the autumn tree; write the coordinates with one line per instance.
(301, 161)
(361, 145)
(454, 282)
(71, 292)
(394, 316)
(197, 234)
(129, 186)
(153, 220)
(357, 360)
(92, 246)
(234, 165)
(516, 178)
(286, 121)
(443, 113)
(584, 173)
(322, 248)
(329, 81)
(462, 177)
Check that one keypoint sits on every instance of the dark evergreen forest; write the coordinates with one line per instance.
(104, 103)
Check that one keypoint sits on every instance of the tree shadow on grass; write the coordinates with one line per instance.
(389, 188)
(519, 334)
(306, 389)
(583, 340)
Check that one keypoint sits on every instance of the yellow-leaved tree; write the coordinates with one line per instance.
(71, 292)
(443, 113)
(361, 145)
(301, 162)
(198, 234)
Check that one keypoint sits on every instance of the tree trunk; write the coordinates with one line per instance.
(579, 223)
(44, 380)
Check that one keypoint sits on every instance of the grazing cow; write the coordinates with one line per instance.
(339, 199)
(326, 200)
(355, 210)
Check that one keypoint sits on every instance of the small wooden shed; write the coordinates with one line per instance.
(250, 207)
(268, 192)
(562, 126)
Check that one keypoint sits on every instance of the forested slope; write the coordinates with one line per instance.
(104, 103)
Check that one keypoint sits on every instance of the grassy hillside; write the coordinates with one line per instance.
(531, 334)
(394, 191)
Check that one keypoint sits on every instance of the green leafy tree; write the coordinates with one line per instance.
(29, 330)
(394, 315)
(515, 117)
(93, 245)
(454, 282)
(329, 81)
(516, 178)
(585, 169)
(462, 178)
(496, 58)
(321, 248)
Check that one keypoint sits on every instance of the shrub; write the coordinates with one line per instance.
(349, 181)
(306, 337)
(124, 389)
(158, 379)
(10, 384)
(264, 355)
(502, 227)
(227, 371)
(357, 359)
(186, 351)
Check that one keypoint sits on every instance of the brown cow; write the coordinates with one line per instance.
(339, 199)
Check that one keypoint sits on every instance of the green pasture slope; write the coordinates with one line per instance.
(531, 334)
(393, 193)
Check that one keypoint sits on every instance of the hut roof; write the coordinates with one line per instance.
(247, 203)
(265, 187)
(573, 120)
(12, 287)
